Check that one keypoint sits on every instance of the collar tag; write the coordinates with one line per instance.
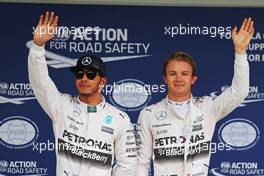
(91, 109)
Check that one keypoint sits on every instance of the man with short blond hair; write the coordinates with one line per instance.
(176, 132)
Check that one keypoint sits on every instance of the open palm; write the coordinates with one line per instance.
(45, 29)
(242, 37)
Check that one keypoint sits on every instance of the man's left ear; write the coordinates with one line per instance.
(103, 81)
(194, 78)
(102, 84)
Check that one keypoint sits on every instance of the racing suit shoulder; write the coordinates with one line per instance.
(203, 101)
(117, 112)
(70, 98)
(148, 108)
(204, 104)
(153, 107)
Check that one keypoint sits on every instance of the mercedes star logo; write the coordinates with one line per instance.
(161, 115)
(86, 61)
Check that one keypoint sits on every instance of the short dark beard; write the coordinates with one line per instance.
(94, 92)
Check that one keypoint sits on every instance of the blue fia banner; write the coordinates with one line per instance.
(134, 41)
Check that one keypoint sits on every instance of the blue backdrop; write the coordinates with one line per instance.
(134, 40)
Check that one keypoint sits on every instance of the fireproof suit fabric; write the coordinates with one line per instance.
(182, 147)
(87, 138)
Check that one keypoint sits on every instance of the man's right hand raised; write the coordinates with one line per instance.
(45, 29)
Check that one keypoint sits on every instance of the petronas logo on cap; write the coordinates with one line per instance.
(86, 61)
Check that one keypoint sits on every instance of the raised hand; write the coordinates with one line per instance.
(45, 29)
(242, 38)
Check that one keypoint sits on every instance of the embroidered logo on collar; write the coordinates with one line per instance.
(91, 109)
(161, 115)
(108, 119)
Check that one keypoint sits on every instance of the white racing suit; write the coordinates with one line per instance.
(182, 147)
(88, 138)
